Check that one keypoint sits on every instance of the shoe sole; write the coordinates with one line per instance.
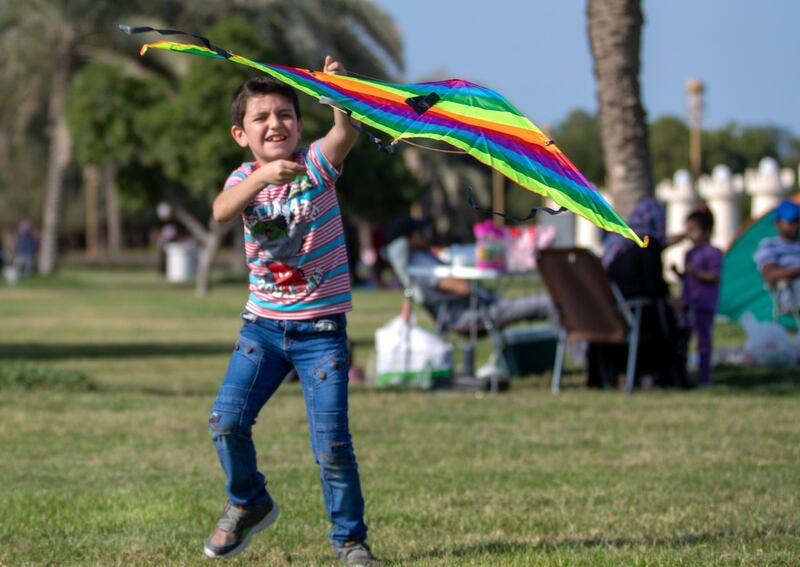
(265, 522)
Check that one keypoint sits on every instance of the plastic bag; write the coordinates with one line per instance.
(767, 343)
(410, 356)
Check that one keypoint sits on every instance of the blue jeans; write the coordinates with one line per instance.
(265, 352)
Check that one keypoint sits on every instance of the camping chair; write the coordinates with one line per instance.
(589, 306)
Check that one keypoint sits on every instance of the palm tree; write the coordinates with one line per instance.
(44, 43)
(615, 28)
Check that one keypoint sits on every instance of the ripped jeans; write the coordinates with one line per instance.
(265, 352)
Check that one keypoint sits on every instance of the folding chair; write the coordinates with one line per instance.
(589, 307)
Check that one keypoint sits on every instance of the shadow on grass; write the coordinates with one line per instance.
(501, 548)
(58, 351)
(53, 351)
(758, 380)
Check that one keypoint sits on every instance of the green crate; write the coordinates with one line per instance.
(530, 350)
(424, 379)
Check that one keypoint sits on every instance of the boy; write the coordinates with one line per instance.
(701, 287)
(294, 316)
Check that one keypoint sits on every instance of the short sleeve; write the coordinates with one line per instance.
(765, 254)
(322, 170)
(240, 174)
(234, 179)
(713, 261)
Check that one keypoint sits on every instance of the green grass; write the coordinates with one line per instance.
(125, 473)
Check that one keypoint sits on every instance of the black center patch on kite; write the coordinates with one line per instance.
(421, 104)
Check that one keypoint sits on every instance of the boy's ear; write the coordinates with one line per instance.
(238, 134)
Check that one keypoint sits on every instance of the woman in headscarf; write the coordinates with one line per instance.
(639, 272)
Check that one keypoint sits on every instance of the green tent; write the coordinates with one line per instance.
(742, 287)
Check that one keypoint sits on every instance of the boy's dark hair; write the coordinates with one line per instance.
(703, 218)
(260, 86)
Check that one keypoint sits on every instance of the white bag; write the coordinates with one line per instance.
(410, 356)
(767, 343)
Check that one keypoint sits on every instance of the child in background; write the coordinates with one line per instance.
(701, 287)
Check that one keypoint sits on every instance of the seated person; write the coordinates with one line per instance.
(778, 257)
(450, 297)
(638, 273)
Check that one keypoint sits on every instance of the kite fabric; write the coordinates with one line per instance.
(468, 116)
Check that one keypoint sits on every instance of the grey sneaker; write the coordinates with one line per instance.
(356, 554)
(237, 525)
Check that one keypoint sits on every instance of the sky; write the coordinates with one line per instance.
(536, 53)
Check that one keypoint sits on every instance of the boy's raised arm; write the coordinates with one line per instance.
(338, 142)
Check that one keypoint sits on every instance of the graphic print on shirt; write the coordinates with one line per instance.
(278, 227)
(294, 242)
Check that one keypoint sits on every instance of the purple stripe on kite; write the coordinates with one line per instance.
(502, 138)
(401, 112)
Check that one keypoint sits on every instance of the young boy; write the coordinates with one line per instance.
(701, 287)
(294, 317)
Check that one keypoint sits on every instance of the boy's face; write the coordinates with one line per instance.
(270, 128)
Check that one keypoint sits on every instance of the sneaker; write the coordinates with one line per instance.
(237, 525)
(356, 554)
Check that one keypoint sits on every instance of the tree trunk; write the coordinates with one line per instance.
(59, 153)
(615, 35)
(91, 190)
(216, 232)
(113, 215)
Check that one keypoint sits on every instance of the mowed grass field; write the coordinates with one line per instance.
(125, 473)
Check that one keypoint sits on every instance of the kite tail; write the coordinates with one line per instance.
(531, 215)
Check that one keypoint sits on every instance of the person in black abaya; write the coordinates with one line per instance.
(638, 273)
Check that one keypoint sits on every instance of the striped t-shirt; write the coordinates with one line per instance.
(294, 243)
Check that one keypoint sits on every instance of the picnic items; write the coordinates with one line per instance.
(490, 249)
(511, 248)
(522, 242)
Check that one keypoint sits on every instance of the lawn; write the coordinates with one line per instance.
(124, 473)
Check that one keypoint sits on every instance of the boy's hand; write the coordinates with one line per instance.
(279, 172)
(333, 67)
(676, 271)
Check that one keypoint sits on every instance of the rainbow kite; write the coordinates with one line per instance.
(468, 116)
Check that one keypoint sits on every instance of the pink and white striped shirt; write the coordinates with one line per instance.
(294, 243)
